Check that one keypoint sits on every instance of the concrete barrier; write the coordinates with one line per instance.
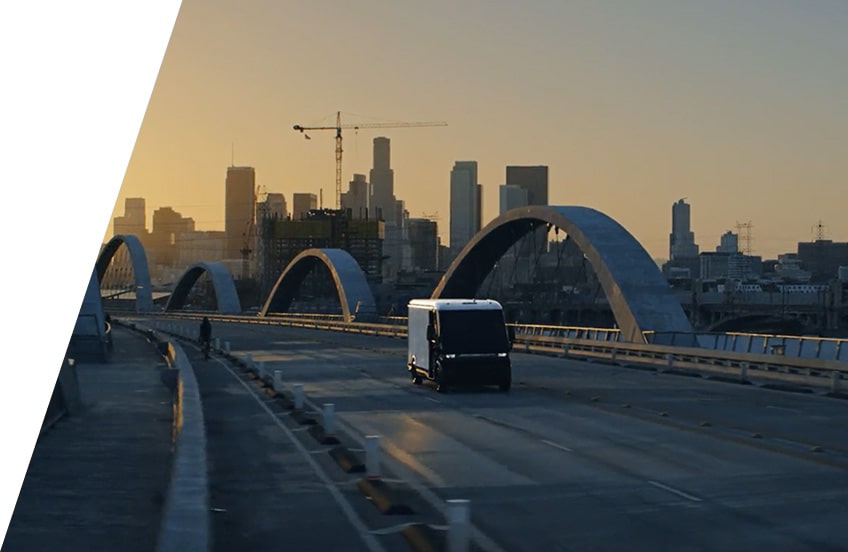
(65, 400)
(185, 517)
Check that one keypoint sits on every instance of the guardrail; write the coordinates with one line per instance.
(823, 348)
(768, 363)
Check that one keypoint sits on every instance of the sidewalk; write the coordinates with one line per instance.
(97, 480)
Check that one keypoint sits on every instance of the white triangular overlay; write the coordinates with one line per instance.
(76, 80)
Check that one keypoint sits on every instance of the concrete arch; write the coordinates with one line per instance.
(355, 294)
(222, 282)
(141, 272)
(638, 294)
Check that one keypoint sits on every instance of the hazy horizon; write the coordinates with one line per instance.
(632, 106)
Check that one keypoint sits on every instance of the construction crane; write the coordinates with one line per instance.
(338, 128)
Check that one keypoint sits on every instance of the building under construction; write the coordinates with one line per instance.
(282, 240)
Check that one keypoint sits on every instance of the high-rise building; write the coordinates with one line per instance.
(167, 226)
(383, 201)
(534, 179)
(424, 243)
(511, 196)
(274, 206)
(357, 198)
(302, 203)
(822, 258)
(729, 243)
(681, 240)
(134, 220)
(465, 204)
(239, 209)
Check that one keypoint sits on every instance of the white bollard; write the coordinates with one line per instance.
(260, 369)
(248, 360)
(278, 380)
(372, 457)
(227, 347)
(459, 525)
(613, 354)
(217, 343)
(329, 422)
(743, 371)
(298, 396)
(669, 358)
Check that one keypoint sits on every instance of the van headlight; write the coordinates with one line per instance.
(502, 354)
(450, 355)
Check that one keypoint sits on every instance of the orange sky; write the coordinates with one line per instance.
(738, 107)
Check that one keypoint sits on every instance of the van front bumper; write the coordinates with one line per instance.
(481, 370)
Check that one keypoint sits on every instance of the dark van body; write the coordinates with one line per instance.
(458, 341)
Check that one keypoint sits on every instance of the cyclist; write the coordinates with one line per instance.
(205, 336)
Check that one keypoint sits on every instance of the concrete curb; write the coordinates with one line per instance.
(381, 496)
(185, 517)
(317, 431)
(346, 460)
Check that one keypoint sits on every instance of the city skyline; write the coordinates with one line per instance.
(732, 106)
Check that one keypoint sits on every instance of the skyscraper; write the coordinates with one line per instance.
(424, 243)
(534, 179)
(511, 196)
(302, 203)
(465, 204)
(729, 243)
(275, 206)
(357, 197)
(682, 239)
(134, 219)
(168, 225)
(383, 201)
(239, 208)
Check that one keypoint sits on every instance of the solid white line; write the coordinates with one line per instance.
(431, 399)
(675, 491)
(348, 510)
(556, 445)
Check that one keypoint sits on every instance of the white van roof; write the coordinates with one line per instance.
(456, 304)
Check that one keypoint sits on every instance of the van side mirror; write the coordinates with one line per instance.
(431, 333)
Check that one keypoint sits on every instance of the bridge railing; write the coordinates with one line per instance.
(760, 358)
(811, 347)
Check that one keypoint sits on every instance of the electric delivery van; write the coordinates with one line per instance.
(458, 341)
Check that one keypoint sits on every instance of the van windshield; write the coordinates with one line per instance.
(473, 331)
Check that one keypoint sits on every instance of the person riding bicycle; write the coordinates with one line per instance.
(205, 336)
